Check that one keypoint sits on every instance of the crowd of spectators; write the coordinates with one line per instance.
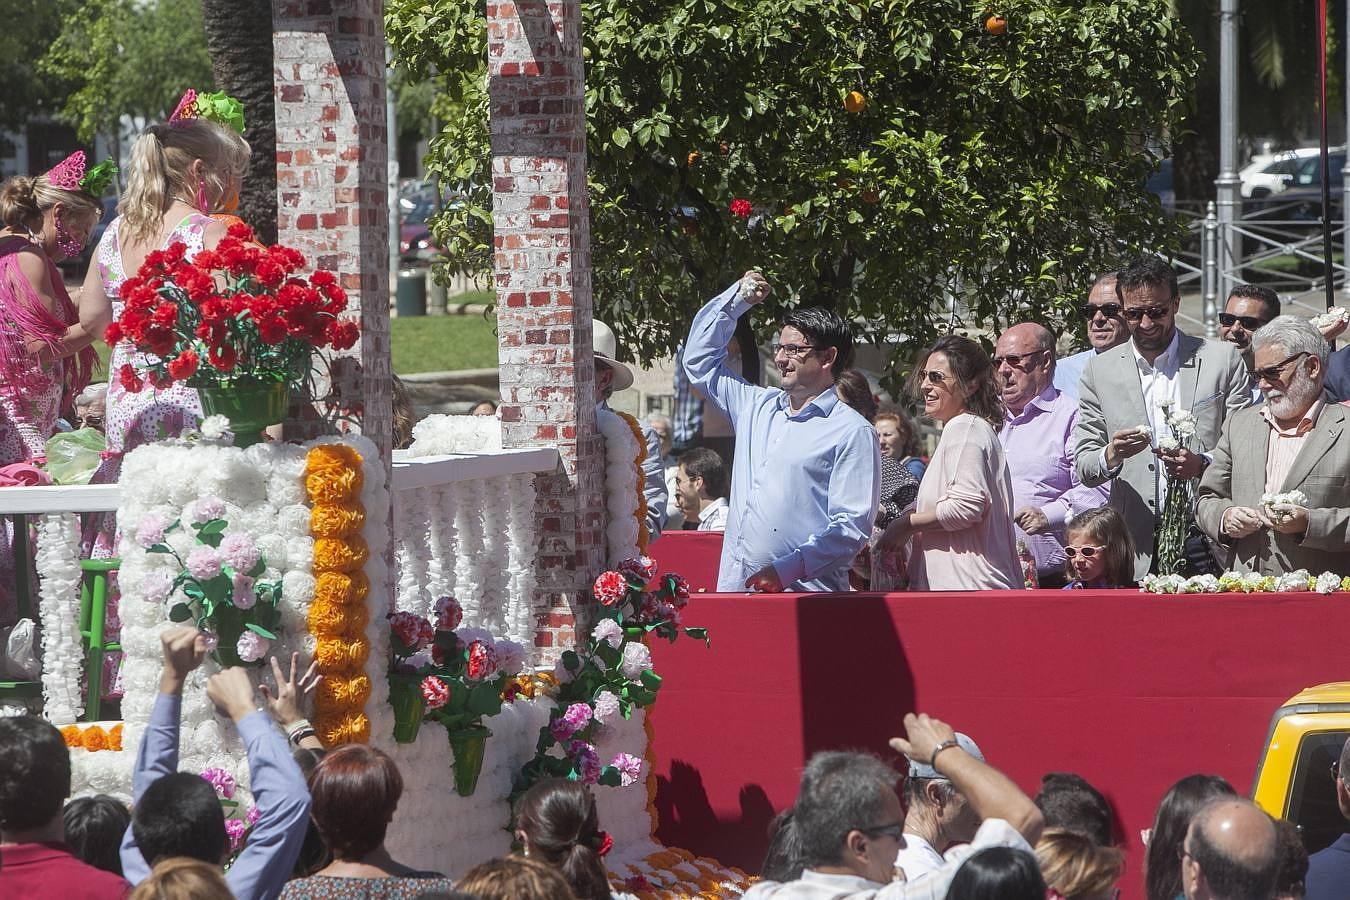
(947, 824)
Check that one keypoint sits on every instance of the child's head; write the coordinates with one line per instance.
(179, 815)
(1100, 549)
(94, 828)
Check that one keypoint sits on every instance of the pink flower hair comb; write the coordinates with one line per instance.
(67, 173)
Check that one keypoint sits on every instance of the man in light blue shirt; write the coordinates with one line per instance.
(806, 470)
(1106, 328)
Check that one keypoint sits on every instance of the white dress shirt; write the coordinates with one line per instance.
(1160, 384)
(714, 516)
(918, 858)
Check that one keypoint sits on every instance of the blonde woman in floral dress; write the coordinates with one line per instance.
(179, 173)
(45, 357)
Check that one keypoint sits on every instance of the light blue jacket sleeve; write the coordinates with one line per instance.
(852, 507)
(705, 355)
(157, 757)
(282, 799)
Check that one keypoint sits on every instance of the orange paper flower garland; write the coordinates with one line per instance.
(338, 615)
(644, 536)
(93, 737)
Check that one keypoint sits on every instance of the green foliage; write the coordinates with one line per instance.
(28, 24)
(127, 57)
(1001, 171)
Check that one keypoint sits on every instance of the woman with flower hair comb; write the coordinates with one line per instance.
(45, 356)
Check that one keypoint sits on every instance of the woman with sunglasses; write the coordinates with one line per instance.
(960, 530)
(1100, 551)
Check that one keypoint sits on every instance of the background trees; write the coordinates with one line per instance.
(898, 156)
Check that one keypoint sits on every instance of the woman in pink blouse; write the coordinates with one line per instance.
(960, 529)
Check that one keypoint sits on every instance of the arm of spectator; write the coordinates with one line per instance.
(1214, 495)
(1237, 386)
(279, 792)
(687, 422)
(654, 486)
(184, 649)
(965, 502)
(991, 794)
(705, 353)
(1090, 435)
(1078, 498)
(852, 507)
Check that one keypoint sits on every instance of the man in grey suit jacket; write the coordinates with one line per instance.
(1295, 441)
(1122, 390)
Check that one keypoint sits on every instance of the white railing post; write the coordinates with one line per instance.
(1209, 271)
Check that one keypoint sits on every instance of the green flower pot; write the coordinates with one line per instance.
(468, 745)
(405, 695)
(250, 407)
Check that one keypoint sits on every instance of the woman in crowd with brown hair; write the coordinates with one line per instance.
(961, 529)
(182, 878)
(557, 824)
(1078, 868)
(515, 878)
(354, 792)
(900, 440)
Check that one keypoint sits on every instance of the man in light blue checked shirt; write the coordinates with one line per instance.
(805, 474)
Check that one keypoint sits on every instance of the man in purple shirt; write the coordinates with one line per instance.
(178, 814)
(1037, 438)
(35, 860)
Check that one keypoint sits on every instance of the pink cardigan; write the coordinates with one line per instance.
(968, 486)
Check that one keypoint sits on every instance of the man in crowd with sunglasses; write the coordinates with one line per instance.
(805, 474)
(1106, 328)
(1120, 418)
(850, 823)
(1249, 307)
(1037, 439)
(1295, 441)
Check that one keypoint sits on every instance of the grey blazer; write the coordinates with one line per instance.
(1213, 385)
(1321, 470)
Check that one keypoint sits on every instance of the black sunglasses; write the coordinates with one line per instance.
(895, 830)
(934, 376)
(1153, 312)
(1276, 372)
(1089, 311)
(1015, 360)
(1251, 323)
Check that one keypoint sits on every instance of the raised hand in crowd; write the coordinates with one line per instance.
(231, 691)
(184, 649)
(991, 794)
(287, 704)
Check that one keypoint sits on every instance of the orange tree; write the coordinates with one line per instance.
(900, 158)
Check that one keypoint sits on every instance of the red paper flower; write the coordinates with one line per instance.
(130, 381)
(435, 691)
(448, 614)
(643, 568)
(741, 208)
(482, 661)
(610, 588)
(184, 365)
(411, 629)
(677, 590)
(222, 358)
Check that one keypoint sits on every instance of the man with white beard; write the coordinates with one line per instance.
(1275, 494)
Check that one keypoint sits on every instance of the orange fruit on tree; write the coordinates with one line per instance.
(855, 102)
(723, 148)
(871, 195)
(996, 25)
(692, 158)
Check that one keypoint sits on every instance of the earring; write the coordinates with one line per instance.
(65, 241)
(201, 195)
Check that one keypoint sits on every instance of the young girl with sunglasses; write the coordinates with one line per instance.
(1100, 551)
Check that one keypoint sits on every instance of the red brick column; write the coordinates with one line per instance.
(332, 173)
(542, 273)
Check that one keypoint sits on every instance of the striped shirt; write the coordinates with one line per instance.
(1284, 443)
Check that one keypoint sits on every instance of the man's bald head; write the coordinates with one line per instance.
(1024, 363)
(1231, 853)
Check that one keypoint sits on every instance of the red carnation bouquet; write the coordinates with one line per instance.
(233, 316)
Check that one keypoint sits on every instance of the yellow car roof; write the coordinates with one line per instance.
(1332, 692)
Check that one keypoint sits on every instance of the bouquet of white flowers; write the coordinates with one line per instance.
(1175, 521)
(1279, 508)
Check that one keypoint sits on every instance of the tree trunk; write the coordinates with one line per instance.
(239, 39)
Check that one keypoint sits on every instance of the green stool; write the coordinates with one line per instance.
(23, 568)
(93, 619)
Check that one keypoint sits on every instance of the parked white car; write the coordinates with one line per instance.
(1272, 173)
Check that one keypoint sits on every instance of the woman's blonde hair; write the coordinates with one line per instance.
(182, 878)
(1105, 527)
(1076, 866)
(515, 878)
(25, 199)
(160, 169)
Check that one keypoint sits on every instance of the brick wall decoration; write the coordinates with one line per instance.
(332, 190)
(542, 276)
